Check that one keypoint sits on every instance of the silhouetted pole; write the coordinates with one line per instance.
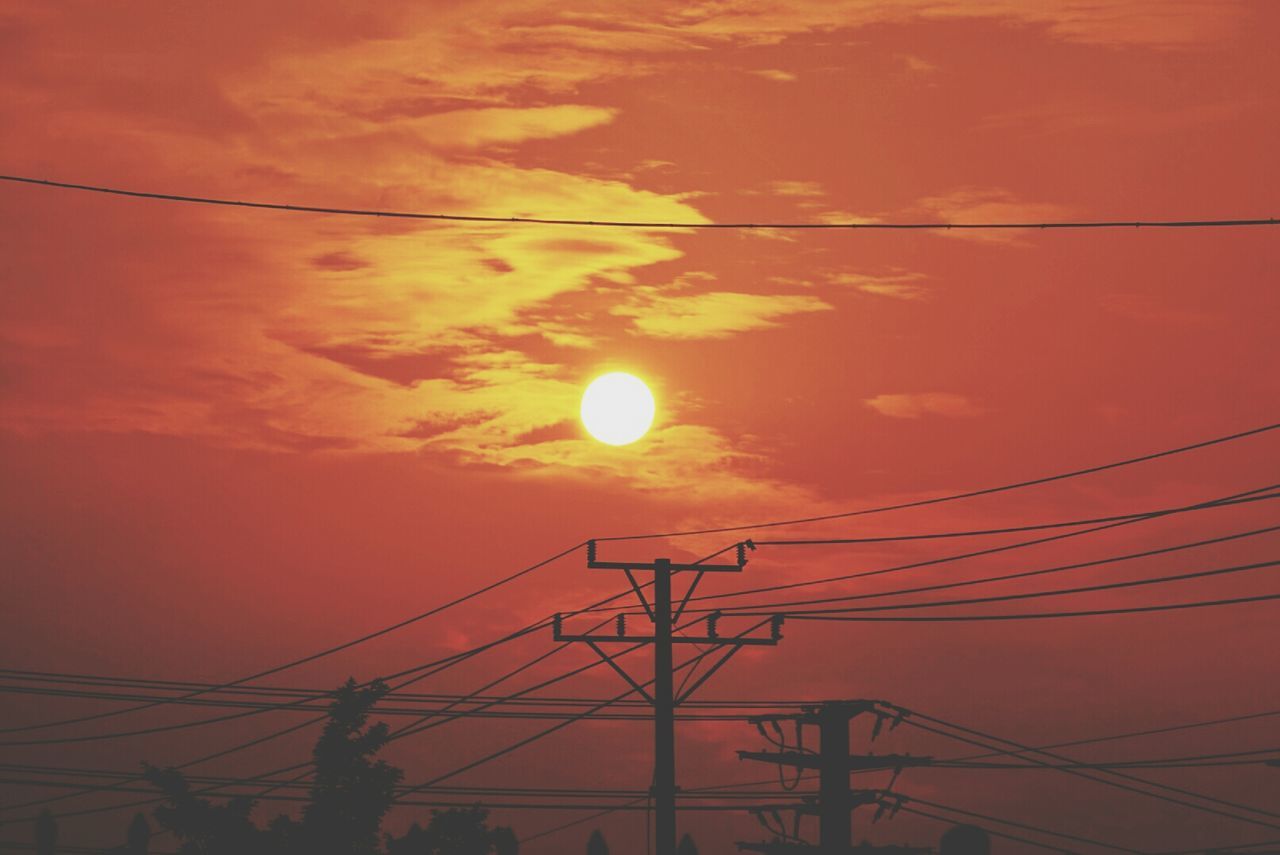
(837, 799)
(46, 833)
(835, 822)
(662, 695)
(664, 714)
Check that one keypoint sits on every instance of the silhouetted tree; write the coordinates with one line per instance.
(202, 827)
(964, 840)
(46, 833)
(687, 846)
(505, 841)
(352, 792)
(456, 831)
(349, 797)
(596, 844)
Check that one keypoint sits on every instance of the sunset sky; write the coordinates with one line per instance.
(231, 438)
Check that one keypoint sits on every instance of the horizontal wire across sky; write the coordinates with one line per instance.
(863, 225)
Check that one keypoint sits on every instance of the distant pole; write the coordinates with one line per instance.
(46, 833)
(837, 799)
(835, 822)
(664, 714)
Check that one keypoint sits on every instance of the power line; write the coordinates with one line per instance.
(524, 707)
(519, 714)
(559, 726)
(982, 532)
(646, 224)
(1031, 595)
(1225, 501)
(1005, 577)
(1200, 604)
(986, 740)
(1132, 734)
(995, 833)
(408, 730)
(242, 746)
(434, 668)
(986, 491)
(1021, 825)
(323, 653)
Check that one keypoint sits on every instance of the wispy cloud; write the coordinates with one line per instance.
(712, 314)
(914, 405)
(777, 75)
(898, 284)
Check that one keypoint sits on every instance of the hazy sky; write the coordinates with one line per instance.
(231, 437)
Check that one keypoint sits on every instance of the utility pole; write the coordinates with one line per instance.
(836, 800)
(664, 699)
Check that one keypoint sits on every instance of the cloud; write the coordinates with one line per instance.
(898, 284)
(984, 205)
(775, 74)
(799, 189)
(916, 64)
(712, 314)
(916, 405)
(508, 125)
(303, 333)
(339, 261)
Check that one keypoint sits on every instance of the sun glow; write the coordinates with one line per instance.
(617, 408)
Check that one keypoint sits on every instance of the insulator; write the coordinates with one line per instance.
(557, 624)
(713, 629)
(775, 626)
(742, 554)
(591, 552)
(622, 625)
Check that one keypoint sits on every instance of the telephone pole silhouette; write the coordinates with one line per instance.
(664, 698)
(836, 800)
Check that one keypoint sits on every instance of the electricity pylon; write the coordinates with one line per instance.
(836, 800)
(664, 698)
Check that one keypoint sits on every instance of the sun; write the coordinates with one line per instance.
(617, 408)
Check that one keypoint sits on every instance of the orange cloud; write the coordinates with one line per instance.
(916, 405)
(985, 205)
(713, 314)
(507, 125)
(899, 284)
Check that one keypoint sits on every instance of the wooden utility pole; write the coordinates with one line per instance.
(667, 632)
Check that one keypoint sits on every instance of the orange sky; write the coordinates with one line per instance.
(233, 437)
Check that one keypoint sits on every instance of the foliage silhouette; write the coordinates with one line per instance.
(350, 795)
(456, 831)
(202, 827)
(596, 844)
(687, 846)
(964, 840)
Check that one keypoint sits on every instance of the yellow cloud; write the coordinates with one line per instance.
(777, 75)
(714, 314)
(507, 125)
